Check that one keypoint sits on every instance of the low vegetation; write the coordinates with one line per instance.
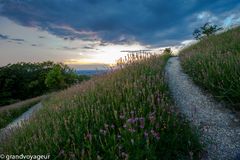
(9, 113)
(214, 63)
(125, 114)
(26, 80)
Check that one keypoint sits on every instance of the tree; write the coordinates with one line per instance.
(55, 78)
(26, 80)
(167, 50)
(206, 30)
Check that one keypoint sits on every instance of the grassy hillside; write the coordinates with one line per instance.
(126, 114)
(214, 63)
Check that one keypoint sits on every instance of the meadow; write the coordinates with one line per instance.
(214, 64)
(124, 114)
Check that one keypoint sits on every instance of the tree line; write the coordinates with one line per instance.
(26, 80)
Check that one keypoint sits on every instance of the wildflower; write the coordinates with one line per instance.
(106, 125)
(121, 116)
(102, 131)
(124, 155)
(142, 125)
(118, 136)
(112, 126)
(155, 134)
(152, 117)
(191, 154)
(124, 126)
(99, 157)
(145, 134)
(132, 141)
(119, 147)
(61, 152)
(142, 122)
(72, 155)
(88, 136)
(131, 120)
(158, 99)
(131, 130)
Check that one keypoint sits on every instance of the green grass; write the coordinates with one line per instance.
(125, 114)
(214, 64)
(8, 115)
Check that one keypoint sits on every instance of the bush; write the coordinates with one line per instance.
(55, 78)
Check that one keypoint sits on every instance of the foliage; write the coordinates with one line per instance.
(168, 50)
(125, 114)
(26, 80)
(205, 31)
(214, 63)
(55, 78)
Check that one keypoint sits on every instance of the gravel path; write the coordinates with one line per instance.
(219, 127)
(19, 121)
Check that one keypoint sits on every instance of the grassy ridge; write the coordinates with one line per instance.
(126, 114)
(214, 63)
(8, 115)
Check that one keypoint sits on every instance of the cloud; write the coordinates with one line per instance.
(88, 47)
(207, 17)
(17, 39)
(3, 37)
(41, 37)
(149, 22)
(9, 39)
(70, 48)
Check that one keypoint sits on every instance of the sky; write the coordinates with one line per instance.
(90, 34)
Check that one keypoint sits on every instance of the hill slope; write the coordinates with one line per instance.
(126, 114)
(214, 63)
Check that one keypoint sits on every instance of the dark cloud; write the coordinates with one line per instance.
(69, 38)
(41, 37)
(88, 47)
(151, 22)
(17, 39)
(3, 37)
(9, 39)
(70, 48)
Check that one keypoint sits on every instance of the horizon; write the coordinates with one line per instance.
(90, 35)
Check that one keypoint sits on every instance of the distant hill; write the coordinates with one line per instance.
(89, 72)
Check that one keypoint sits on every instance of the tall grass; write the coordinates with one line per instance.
(125, 114)
(214, 63)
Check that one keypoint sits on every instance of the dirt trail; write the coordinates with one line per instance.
(18, 122)
(219, 127)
